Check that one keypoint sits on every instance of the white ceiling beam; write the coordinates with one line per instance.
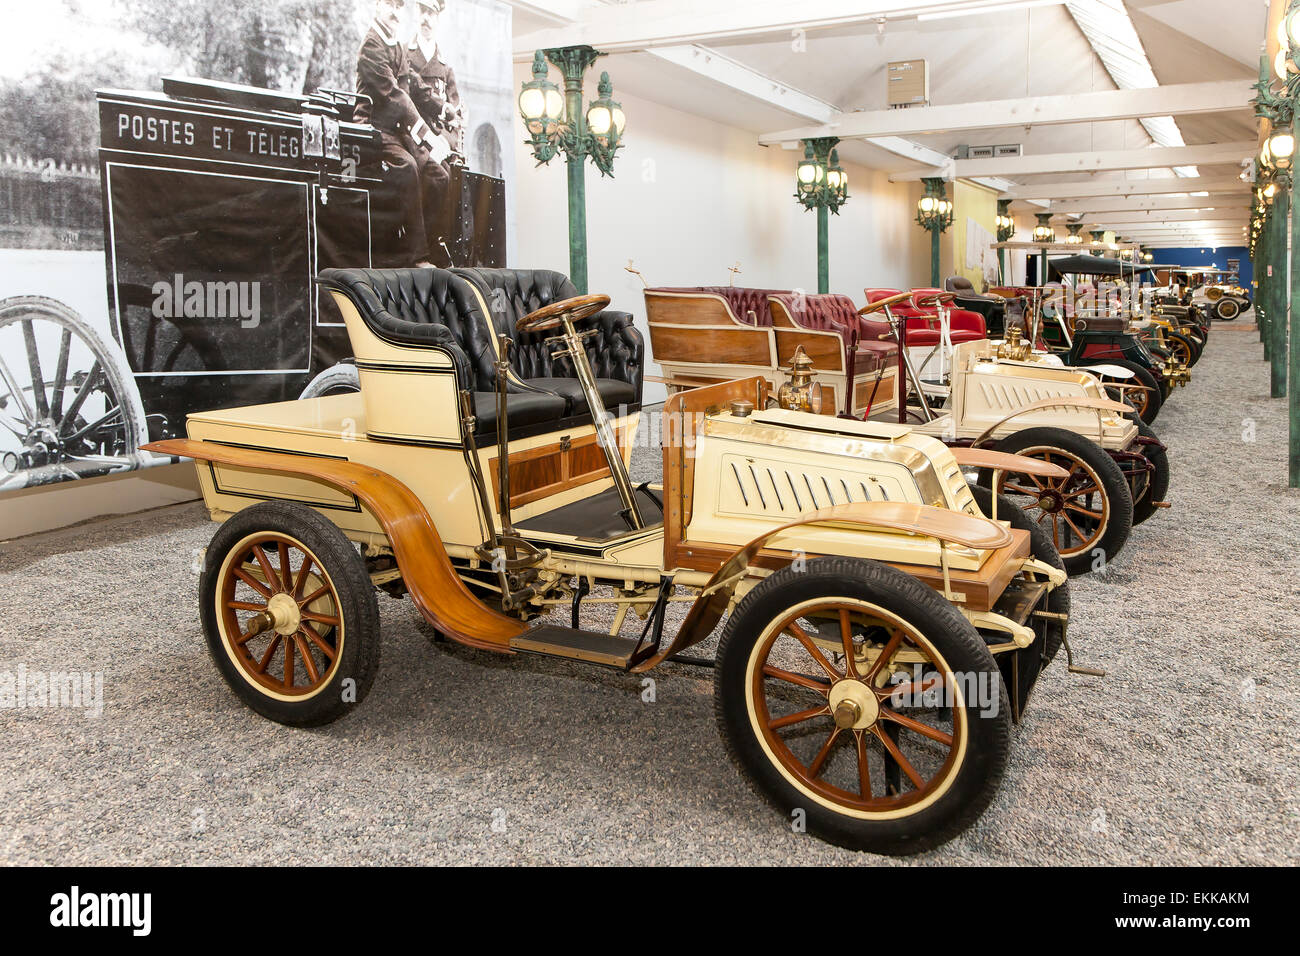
(1088, 207)
(1228, 96)
(1149, 158)
(712, 65)
(1118, 220)
(1125, 187)
(556, 11)
(623, 27)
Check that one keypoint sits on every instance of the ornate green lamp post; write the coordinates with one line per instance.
(558, 124)
(1273, 176)
(1006, 229)
(1278, 107)
(934, 213)
(1043, 233)
(820, 183)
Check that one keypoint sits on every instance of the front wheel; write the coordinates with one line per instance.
(1088, 513)
(290, 614)
(1227, 309)
(1146, 401)
(860, 702)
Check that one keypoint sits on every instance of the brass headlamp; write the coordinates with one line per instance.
(800, 393)
(1013, 347)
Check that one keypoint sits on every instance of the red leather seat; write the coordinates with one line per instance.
(923, 324)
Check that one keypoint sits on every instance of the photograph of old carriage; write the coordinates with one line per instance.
(164, 207)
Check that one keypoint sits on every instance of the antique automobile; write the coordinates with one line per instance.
(701, 335)
(220, 202)
(1112, 341)
(1006, 395)
(1209, 291)
(882, 634)
(1226, 301)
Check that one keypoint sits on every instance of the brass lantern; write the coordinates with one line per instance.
(799, 393)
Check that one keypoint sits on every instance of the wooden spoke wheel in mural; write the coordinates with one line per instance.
(68, 402)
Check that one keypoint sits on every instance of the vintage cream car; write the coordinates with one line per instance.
(1005, 395)
(881, 632)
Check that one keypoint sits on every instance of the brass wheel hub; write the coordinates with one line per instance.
(285, 616)
(1051, 500)
(853, 705)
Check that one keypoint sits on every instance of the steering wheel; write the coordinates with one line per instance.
(879, 304)
(934, 299)
(548, 316)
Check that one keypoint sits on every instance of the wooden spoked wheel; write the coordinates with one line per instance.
(1075, 509)
(857, 709)
(1181, 349)
(278, 612)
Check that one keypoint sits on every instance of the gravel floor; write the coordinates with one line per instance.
(1185, 754)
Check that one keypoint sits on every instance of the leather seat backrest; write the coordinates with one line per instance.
(397, 304)
(960, 285)
(511, 294)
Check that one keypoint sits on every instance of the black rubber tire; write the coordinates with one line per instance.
(1155, 397)
(360, 612)
(1227, 310)
(1113, 485)
(1159, 485)
(1041, 547)
(340, 379)
(989, 736)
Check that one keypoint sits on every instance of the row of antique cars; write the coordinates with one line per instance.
(875, 510)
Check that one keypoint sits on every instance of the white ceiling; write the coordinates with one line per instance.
(991, 56)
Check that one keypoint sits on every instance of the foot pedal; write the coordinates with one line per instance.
(607, 650)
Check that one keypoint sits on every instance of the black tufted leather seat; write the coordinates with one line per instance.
(992, 307)
(434, 308)
(616, 352)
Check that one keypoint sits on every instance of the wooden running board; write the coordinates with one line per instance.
(594, 647)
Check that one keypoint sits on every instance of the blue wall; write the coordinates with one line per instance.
(1205, 256)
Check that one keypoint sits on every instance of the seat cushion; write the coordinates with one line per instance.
(522, 408)
(612, 392)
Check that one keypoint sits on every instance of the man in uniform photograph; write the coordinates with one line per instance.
(404, 110)
(426, 60)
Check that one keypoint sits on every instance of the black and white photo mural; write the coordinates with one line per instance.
(174, 173)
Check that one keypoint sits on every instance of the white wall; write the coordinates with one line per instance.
(691, 197)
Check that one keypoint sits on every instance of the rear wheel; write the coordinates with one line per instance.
(1089, 513)
(1158, 486)
(1227, 309)
(857, 699)
(340, 379)
(1041, 547)
(290, 614)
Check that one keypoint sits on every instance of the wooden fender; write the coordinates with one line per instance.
(949, 526)
(434, 586)
(1001, 461)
